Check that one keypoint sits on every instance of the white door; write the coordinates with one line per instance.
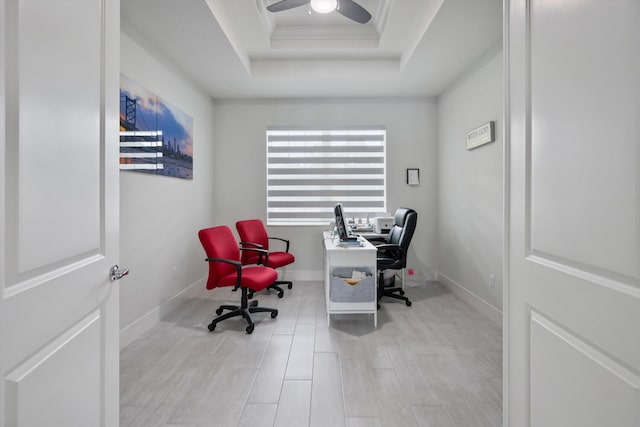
(59, 212)
(573, 311)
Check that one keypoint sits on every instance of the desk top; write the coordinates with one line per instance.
(333, 243)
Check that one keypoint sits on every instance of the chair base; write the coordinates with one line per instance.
(282, 283)
(285, 282)
(275, 286)
(244, 310)
(396, 292)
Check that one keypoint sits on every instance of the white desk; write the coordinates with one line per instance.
(339, 261)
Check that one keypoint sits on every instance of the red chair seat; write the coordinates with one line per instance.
(280, 259)
(255, 278)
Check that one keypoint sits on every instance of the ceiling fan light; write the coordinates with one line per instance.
(324, 6)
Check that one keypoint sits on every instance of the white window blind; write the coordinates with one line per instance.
(309, 171)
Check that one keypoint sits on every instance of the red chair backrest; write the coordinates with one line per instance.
(219, 242)
(254, 231)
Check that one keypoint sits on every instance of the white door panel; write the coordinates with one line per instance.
(58, 118)
(562, 365)
(70, 400)
(573, 306)
(584, 135)
(59, 308)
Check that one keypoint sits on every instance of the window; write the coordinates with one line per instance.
(309, 171)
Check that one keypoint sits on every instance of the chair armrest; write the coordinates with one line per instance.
(282, 240)
(237, 264)
(255, 245)
(394, 249)
(373, 240)
(261, 252)
(388, 246)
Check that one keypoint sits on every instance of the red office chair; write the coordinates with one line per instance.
(253, 234)
(225, 269)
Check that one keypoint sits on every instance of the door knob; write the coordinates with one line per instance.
(118, 273)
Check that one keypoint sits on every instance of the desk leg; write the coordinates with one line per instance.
(375, 292)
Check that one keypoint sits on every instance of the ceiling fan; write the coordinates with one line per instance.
(347, 8)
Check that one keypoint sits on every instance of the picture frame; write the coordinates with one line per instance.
(413, 176)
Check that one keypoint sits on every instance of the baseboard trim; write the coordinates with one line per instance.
(472, 299)
(307, 275)
(303, 275)
(137, 328)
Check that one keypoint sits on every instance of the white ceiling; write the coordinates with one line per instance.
(237, 49)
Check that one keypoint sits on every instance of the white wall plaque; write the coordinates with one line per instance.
(481, 135)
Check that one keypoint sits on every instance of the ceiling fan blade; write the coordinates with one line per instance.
(286, 4)
(353, 11)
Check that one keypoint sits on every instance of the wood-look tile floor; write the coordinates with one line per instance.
(437, 363)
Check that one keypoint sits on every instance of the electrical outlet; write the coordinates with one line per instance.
(492, 281)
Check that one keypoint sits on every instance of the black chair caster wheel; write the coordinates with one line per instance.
(401, 292)
(219, 311)
(408, 303)
(290, 285)
(280, 294)
(249, 329)
(211, 327)
(274, 314)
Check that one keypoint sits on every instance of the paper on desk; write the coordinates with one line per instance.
(355, 274)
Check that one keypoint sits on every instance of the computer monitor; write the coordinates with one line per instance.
(341, 225)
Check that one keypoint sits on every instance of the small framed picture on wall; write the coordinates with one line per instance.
(413, 176)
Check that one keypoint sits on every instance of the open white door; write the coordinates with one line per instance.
(573, 311)
(59, 62)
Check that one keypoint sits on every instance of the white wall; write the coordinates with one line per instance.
(160, 216)
(470, 187)
(240, 166)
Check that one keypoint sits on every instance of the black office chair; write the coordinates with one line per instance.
(392, 254)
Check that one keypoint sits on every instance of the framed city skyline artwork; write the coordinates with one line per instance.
(155, 136)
